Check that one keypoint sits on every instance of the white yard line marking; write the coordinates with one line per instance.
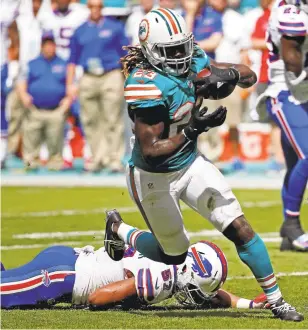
(126, 209)
(100, 233)
(38, 246)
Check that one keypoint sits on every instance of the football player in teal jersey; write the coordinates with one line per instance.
(162, 92)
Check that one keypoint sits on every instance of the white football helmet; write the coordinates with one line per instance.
(165, 41)
(301, 4)
(201, 275)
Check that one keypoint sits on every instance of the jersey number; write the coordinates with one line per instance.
(166, 275)
(149, 74)
(65, 36)
(180, 118)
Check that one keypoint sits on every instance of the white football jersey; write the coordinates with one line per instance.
(30, 35)
(8, 13)
(154, 281)
(94, 269)
(284, 20)
(64, 25)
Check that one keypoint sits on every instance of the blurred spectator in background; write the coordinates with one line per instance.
(9, 51)
(30, 34)
(97, 46)
(229, 51)
(132, 24)
(169, 4)
(258, 42)
(205, 23)
(42, 92)
(63, 22)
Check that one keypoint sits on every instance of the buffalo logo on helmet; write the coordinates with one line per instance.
(46, 278)
(144, 30)
(200, 264)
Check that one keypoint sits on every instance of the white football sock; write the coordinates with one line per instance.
(123, 231)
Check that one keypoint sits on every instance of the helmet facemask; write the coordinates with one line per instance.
(188, 292)
(173, 58)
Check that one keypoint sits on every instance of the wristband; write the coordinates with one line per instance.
(190, 133)
(244, 303)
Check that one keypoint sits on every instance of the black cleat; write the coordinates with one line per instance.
(285, 311)
(294, 238)
(114, 246)
(286, 245)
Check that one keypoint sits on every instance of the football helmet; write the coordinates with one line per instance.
(201, 275)
(166, 42)
(301, 4)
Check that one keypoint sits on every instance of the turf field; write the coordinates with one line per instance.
(33, 218)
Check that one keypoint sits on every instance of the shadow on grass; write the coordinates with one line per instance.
(179, 311)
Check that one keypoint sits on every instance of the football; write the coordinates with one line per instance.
(216, 91)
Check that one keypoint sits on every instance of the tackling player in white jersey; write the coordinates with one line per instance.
(286, 100)
(85, 277)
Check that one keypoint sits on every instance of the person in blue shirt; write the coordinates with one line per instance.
(96, 46)
(41, 89)
(205, 23)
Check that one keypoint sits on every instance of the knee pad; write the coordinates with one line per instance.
(173, 260)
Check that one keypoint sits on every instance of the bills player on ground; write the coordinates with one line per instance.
(82, 276)
(166, 167)
(287, 103)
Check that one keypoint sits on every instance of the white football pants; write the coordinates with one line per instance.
(200, 185)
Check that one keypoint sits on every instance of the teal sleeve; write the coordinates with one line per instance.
(142, 92)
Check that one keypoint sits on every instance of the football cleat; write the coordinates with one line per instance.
(292, 231)
(285, 311)
(114, 246)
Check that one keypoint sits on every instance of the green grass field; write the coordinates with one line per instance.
(58, 213)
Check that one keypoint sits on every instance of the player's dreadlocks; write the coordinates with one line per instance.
(133, 59)
(136, 59)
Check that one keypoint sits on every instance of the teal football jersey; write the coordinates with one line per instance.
(152, 88)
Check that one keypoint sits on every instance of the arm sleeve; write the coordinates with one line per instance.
(142, 95)
(155, 284)
(218, 24)
(123, 40)
(75, 49)
(292, 21)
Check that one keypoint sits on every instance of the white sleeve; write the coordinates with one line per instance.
(155, 284)
(291, 21)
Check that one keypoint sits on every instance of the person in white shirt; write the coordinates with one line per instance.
(63, 22)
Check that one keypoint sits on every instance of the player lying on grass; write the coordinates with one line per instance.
(83, 277)
(164, 80)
